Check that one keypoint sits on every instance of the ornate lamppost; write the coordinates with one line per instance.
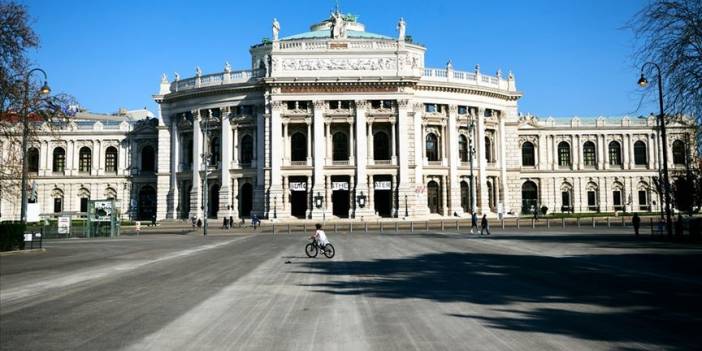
(44, 90)
(643, 82)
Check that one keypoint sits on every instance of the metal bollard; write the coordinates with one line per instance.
(350, 227)
(366, 227)
(517, 223)
(503, 223)
(562, 222)
(608, 224)
(305, 228)
(396, 227)
(623, 222)
(381, 227)
(427, 225)
(577, 220)
(548, 222)
(288, 228)
(273, 228)
(442, 225)
(457, 227)
(334, 227)
(593, 222)
(533, 223)
(412, 227)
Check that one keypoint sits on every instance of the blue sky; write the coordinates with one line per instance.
(569, 57)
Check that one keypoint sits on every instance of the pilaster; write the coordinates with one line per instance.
(196, 193)
(454, 191)
(225, 191)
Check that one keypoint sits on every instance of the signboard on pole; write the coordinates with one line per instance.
(64, 225)
(33, 212)
(103, 211)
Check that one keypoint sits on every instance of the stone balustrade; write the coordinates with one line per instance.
(473, 78)
(215, 79)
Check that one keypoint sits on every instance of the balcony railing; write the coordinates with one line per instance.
(222, 78)
(445, 75)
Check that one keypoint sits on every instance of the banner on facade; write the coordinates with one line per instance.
(340, 186)
(383, 185)
(64, 225)
(298, 186)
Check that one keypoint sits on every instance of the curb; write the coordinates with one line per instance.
(20, 252)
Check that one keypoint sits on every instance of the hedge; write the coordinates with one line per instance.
(11, 236)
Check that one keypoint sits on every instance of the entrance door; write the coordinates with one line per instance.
(298, 204)
(245, 200)
(433, 197)
(340, 203)
(213, 202)
(147, 203)
(383, 202)
(465, 197)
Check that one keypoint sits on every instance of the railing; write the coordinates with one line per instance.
(298, 163)
(445, 75)
(216, 79)
(340, 163)
(317, 44)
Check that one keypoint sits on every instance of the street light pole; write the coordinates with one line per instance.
(664, 142)
(25, 136)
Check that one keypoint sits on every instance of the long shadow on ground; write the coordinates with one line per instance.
(601, 303)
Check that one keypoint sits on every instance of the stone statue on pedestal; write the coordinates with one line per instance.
(401, 29)
(276, 29)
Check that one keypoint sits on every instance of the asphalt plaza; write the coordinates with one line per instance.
(514, 290)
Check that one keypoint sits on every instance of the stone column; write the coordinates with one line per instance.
(352, 146)
(482, 163)
(420, 207)
(394, 196)
(225, 180)
(235, 199)
(454, 160)
(370, 143)
(352, 198)
(196, 193)
(327, 195)
(503, 166)
(276, 188)
(309, 141)
(393, 148)
(443, 139)
(371, 194)
(651, 151)
(403, 154)
(603, 159)
(361, 162)
(310, 197)
(328, 143)
(173, 198)
(319, 155)
(235, 144)
(626, 150)
(259, 192)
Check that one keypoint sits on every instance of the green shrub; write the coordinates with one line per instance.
(11, 236)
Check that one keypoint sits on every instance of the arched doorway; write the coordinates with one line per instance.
(245, 200)
(465, 197)
(213, 201)
(530, 197)
(433, 198)
(146, 205)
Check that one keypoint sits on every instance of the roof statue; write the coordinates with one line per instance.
(227, 67)
(177, 76)
(338, 26)
(198, 71)
(164, 78)
(276, 29)
(401, 29)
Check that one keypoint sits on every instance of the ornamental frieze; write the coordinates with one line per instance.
(338, 89)
(339, 64)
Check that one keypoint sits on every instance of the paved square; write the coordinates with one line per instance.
(552, 290)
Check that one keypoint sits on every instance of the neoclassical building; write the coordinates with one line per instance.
(338, 122)
(341, 122)
(89, 157)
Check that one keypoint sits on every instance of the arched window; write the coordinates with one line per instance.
(563, 154)
(528, 157)
(147, 159)
(589, 158)
(85, 159)
(298, 147)
(488, 150)
(111, 159)
(381, 146)
(340, 144)
(615, 153)
(214, 151)
(640, 153)
(463, 148)
(246, 149)
(678, 152)
(59, 160)
(33, 160)
(432, 147)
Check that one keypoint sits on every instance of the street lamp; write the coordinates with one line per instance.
(643, 82)
(318, 200)
(361, 200)
(44, 90)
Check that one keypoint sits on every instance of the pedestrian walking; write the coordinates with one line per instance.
(636, 221)
(231, 222)
(473, 222)
(484, 225)
(225, 223)
(194, 221)
(255, 221)
(536, 214)
(199, 223)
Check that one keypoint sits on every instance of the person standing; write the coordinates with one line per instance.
(636, 221)
(473, 222)
(484, 225)
(231, 222)
(225, 221)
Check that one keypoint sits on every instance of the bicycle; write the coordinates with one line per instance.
(312, 250)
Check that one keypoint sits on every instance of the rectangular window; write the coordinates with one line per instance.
(345, 105)
(58, 204)
(565, 200)
(617, 198)
(462, 110)
(643, 201)
(333, 105)
(84, 204)
(387, 104)
(375, 104)
(430, 108)
(591, 199)
(488, 112)
(302, 105)
(290, 104)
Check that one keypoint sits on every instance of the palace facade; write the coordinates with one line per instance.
(338, 122)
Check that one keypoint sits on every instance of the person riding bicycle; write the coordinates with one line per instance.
(320, 237)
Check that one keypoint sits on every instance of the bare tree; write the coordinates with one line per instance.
(669, 33)
(20, 97)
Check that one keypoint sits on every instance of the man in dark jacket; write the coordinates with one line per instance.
(473, 222)
(636, 221)
(484, 225)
